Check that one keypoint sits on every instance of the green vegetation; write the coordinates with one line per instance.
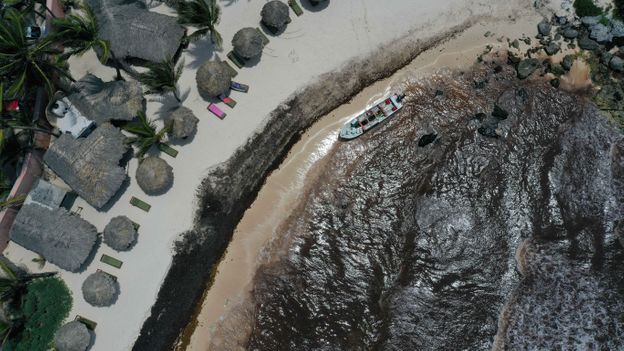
(79, 34)
(162, 77)
(204, 15)
(145, 133)
(45, 306)
(586, 8)
(618, 8)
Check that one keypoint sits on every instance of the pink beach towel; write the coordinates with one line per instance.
(216, 111)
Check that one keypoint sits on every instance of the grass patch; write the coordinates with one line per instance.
(45, 306)
(586, 8)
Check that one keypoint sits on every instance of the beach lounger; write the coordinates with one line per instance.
(111, 261)
(135, 225)
(235, 59)
(243, 88)
(265, 39)
(227, 100)
(87, 322)
(168, 149)
(110, 275)
(233, 72)
(295, 7)
(216, 111)
(140, 204)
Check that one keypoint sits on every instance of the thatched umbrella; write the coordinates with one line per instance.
(154, 175)
(62, 238)
(120, 233)
(100, 289)
(73, 336)
(183, 122)
(247, 43)
(275, 15)
(213, 79)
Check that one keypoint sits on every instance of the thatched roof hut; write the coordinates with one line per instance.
(62, 238)
(102, 101)
(135, 32)
(120, 233)
(100, 289)
(73, 336)
(183, 122)
(247, 43)
(154, 175)
(213, 79)
(275, 15)
(90, 166)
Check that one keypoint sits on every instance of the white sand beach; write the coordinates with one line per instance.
(314, 43)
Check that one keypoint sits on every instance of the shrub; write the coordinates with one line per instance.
(586, 8)
(618, 9)
(45, 306)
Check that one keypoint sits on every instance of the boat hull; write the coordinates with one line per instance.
(371, 117)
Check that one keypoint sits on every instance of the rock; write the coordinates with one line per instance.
(555, 83)
(527, 40)
(515, 44)
(587, 44)
(567, 62)
(439, 92)
(605, 57)
(601, 33)
(552, 48)
(557, 36)
(590, 20)
(499, 112)
(561, 20)
(570, 33)
(539, 36)
(616, 64)
(487, 34)
(544, 28)
(427, 139)
(617, 28)
(526, 67)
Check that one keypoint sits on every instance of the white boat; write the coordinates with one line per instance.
(371, 117)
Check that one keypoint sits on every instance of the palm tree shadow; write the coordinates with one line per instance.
(314, 8)
(200, 51)
(230, 2)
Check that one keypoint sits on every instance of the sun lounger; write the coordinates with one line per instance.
(227, 100)
(233, 72)
(111, 261)
(87, 322)
(168, 149)
(295, 7)
(135, 225)
(265, 39)
(236, 60)
(110, 275)
(216, 111)
(140, 204)
(243, 88)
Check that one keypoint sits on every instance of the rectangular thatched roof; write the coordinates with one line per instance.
(62, 238)
(90, 166)
(135, 32)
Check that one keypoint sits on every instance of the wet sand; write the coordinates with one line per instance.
(284, 187)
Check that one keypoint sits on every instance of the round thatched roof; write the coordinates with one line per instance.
(73, 336)
(213, 79)
(154, 175)
(275, 15)
(183, 122)
(247, 43)
(120, 233)
(100, 289)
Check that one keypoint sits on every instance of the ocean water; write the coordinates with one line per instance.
(467, 243)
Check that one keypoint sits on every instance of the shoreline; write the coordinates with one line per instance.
(246, 252)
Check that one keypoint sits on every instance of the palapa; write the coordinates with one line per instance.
(135, 32)
(102, 101)
(183, 122)
(90, 166)
(248, 43)
(100, 289)
(73, 336)
(120, 233)
(275, 15)
(213, 79)
(62, 238)
(154, 175)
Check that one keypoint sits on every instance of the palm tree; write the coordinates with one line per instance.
(204, 15)
(145, 133)
(23, 62)
(162, 77)
(27, 6)
(79, 33)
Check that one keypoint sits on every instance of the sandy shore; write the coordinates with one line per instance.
(313, 44)
(284, 188)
